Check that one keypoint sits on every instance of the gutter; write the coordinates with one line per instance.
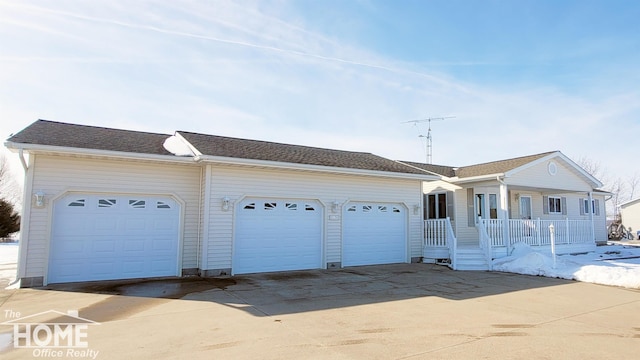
(107, 153)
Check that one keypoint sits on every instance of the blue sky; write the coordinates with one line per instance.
(520, 77)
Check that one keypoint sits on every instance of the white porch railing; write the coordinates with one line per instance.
(486, 241)
(438, 233)
(536, 232)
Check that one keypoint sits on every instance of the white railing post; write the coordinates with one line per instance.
(452, 244)
(567, 231)
(553, 243)
(538, 231)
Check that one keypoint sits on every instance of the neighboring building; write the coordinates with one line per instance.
(630, 216)
(103, 204)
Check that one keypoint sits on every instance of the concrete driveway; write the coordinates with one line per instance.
(407, 311)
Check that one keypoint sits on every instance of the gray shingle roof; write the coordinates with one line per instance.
(498, 167)
(221, 146)
(52, 133)
(494, 167)
(443, 170)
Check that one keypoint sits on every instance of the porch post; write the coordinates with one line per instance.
(593, 229)
(504, 215)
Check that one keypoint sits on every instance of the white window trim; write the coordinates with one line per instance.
(559, 200)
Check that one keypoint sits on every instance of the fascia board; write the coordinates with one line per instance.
(94, 152)
(457, 180)
(319, 168)
(531, 164)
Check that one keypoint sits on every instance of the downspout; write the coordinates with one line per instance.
(504, 207)
(200, 221)
(591, 211)
(25, 167)
(25, 219)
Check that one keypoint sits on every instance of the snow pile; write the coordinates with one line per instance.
(8, 263)
(609, 265)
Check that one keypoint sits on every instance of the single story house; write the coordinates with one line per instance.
(476, 213)
(104, 204)
(630, 216)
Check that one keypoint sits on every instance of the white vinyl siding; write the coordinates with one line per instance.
(58, 175)
(538, 176)
(237, 183)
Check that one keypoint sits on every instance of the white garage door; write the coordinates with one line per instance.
(103, 237)
(374, 234)
(277, 235)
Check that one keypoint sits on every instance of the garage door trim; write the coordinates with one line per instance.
(236, 215)
(405, 228)
(101, 192)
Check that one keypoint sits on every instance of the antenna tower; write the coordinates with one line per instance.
(429, 145)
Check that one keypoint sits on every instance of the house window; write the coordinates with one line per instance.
(585, 209)
(308, 207)
(270, 206)
(493, 206)
(352, 208)
(366, 208)
(436, 206)
(382, 208)
(479, 206)
(555, 205)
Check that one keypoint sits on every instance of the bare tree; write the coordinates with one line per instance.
(9, 188)
(633, 182)
(617, 189)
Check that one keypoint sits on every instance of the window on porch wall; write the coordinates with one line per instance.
(584, 207)
(554, 205)
(436, 206)
(493, 206)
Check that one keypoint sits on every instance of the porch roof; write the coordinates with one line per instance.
(506, 167)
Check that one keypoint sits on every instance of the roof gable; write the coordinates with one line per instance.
(52, 133)
(498, 167)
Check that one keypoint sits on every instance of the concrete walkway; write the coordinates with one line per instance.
(408, 311)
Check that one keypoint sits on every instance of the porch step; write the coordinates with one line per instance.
(471, 259)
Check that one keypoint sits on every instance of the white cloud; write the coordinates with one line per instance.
(255, 70)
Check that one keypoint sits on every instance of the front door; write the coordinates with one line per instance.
(525, 207)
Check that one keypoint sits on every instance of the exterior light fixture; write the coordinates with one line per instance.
(39, 197)
(335, 206)
(416, 209)
(226, 203)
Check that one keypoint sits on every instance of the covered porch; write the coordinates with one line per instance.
(495, 240)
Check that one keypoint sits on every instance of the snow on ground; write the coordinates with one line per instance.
(8, 263)
(614, 264)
